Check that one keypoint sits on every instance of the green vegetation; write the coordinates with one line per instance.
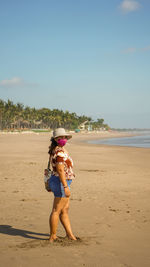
(17, 117)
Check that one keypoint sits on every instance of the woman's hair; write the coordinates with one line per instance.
(52, 146)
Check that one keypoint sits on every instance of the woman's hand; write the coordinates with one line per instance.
(67, 191)
(46, 172)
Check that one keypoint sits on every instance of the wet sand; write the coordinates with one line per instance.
(109, 207)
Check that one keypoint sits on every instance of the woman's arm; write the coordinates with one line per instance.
(60, 170)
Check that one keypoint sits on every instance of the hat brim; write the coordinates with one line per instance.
(68, 136)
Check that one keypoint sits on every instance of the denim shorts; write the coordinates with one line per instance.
(57, 187)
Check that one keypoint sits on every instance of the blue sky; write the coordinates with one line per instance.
(91, 57)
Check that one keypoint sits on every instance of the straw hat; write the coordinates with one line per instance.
(61, 132)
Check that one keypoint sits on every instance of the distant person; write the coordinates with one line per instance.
(59, 182)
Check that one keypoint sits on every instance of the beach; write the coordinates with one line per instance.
(109, 204)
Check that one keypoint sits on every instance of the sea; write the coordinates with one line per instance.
(142, 141)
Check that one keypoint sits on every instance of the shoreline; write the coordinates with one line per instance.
(137, 141)
(87, 137)
(84, 137)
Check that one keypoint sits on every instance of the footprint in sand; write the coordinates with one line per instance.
(33, 199)
(84, 170)
(114, 210)
(77, 199)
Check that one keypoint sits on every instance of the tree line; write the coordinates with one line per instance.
(17, 116)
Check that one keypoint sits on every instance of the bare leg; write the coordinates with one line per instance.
(58, 205)
(64, 218)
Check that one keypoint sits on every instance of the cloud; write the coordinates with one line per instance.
(129, 5)
(147, 48)
(15, 82)
(129, 50)
(12, 82)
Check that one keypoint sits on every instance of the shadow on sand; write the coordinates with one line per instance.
(9, 230)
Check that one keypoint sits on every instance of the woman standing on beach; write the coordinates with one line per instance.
(60, 182)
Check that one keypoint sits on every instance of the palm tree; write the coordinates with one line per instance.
(2, 109)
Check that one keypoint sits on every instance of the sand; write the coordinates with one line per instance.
(109, 207)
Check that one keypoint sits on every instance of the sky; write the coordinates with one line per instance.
(91, 57)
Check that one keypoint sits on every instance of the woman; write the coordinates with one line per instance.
(60, 181)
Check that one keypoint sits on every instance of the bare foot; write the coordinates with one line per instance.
(72, 237)
(52, 238)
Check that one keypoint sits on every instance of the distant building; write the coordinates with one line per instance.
(85, 126)
(82, 125)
